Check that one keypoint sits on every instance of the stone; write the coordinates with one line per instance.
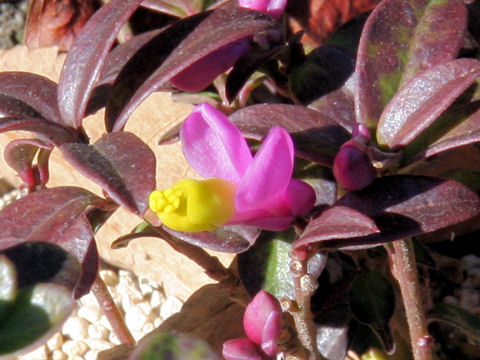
(58, 355)
(39, 353)
(171, 306)
(109, 277)
(156, 299)
(76, 328)
(98, 344)
(98, 331)
(55, 342)
(90, 313)
(74, 348)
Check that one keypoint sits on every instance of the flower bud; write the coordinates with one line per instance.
(352, 167)
(274, 8)
(262, 322)
(240, 349)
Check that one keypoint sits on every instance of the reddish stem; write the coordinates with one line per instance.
(111, 311)
(404, 268)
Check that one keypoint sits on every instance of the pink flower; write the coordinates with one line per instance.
(274, 8)
(265, 193)
(262, 322)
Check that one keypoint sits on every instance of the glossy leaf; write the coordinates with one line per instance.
(401, 206)
(44, 276)
(86, 57)
(325, 70)
(333, 331)
(337, 222)
(46, 215)
(266, 265)
(174, 346)
(372, 302)
(229, 239)
(400, 40)
(461, 319)
(32, 90)
(48, 131)
(20, 154)
(316, 137)
(121, 163)
(419, 102)
(177, 48)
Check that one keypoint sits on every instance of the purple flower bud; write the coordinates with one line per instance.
(274, 8)
(361, 131)
(352, 167)
(240, 349)
(262, 322)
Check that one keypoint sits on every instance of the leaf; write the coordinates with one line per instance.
(177, 48)
(229, 238)
(85, 59)
(174, 346)
(402, 206)
(372, 302)
(325, 70)
(44, 276)
(400, 40)
(333, 331)
(337, 222)
(316, 137)
(46, 215)
(50, 132)
(266, 265)
(461, 319)
(121, 163)
(20, 154)
(32, 90)
(419, 102)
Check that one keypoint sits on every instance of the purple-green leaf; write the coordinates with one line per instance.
(86, 57)
(419, 102)
(175, 50)
(35, 91)
(337, 222)
(316, 136)
(19, 155)
(50, 132)
(119, 162)
(229, 239)
(401, 206)
(400, 40)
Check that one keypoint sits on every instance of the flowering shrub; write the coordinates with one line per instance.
(333, 174)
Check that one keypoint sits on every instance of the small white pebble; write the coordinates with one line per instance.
(171, 306)
(145, 289)
(148, 328)
(104, 321)
(37, 354)
(90, 355)
(135, 319)
(98, 344)
(113, 338)
(157, 322)
(156, 299)
(88, 299)
(58, 355)
(98, 331)
(109, 277)
(74, 348)
(90, 313)
(76, 328)
(55, 342)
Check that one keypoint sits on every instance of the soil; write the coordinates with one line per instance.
(12, 21)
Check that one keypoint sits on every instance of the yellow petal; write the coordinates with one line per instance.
(195, 205)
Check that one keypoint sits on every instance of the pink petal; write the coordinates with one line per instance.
(258, 322)
(214, 146)
(274, 8)
(271, 333)
(269, 173)
(300, 197)
(199, 75)
(240, 349)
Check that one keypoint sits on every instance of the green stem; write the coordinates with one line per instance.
(404, 268)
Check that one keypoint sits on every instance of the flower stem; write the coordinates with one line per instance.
(111, 311)
(404, 268)
(305, 286)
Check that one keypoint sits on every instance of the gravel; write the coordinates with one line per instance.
(12, 21)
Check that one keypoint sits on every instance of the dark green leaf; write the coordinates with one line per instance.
(463, 320)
